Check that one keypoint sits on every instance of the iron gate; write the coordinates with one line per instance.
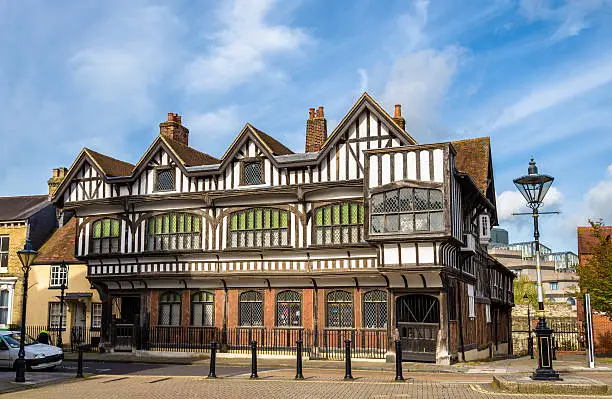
(418, 322)
(567, 333)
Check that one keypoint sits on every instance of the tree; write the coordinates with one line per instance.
(523, 285)
(596, 273)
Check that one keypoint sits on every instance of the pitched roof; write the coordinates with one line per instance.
(21, 207)
(110, 166)
(473, 157)
(273, 145)
(187, 155)
(587, 239)
(60, 246)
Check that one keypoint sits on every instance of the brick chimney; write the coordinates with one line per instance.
(397, 117)
(173, 129)
(59, 174)
(316, 130)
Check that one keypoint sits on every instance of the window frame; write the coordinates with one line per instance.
(361, 234)
(195, 235)
(160, 169)
(161, 303)
(59, 272)
(229, 239)
(412, 199)
(203, 303)
(5, 308)
(554, 284)
(386, 307)
(110, 238)
(278, 302)
(240, 304)
(50, 324)
(471, 301)
(94, 316)
(262, 172)
(4, 254)
(327, 310)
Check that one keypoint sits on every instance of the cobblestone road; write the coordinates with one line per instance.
(270, 385)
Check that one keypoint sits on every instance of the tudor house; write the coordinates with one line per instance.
(365, 231)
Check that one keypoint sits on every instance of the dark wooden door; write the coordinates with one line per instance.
(418, 322)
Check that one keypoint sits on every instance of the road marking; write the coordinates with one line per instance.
(161, 379)
(115, 379)
(102, 370)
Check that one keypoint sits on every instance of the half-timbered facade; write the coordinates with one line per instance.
(367, 232)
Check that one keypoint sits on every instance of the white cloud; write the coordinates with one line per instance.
(241, 48)
(572, 16)
(610, 170)
(363, 81)
(509, 202)
(209, 125)
(554, 92)
(598, 200)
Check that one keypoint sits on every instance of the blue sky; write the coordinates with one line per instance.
(535, 75)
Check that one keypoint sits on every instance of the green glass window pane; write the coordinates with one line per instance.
(106, 228)
(361, 214)
(283, 221)
(166, 223)
(188, 224)
(258, 219)
(181, 223)
(337, 214)
(354, 213)
(266, 219)
(233, 222)
(151, 226)
(172, 223)
(275, 218)
(318, 217)
(196, 224)
(250, 222)
(345, 213)
(97, 229)
(242, 221)
(327, 216)
(158, 224)
(115, 227)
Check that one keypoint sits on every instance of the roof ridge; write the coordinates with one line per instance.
(267, 137)
(24, 196)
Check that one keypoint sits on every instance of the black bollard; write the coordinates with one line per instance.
(80, 362)
(254, 360)
(299, 375)
(398, 361)
(212, 373)
(348, 375)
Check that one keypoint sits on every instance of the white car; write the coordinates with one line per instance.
(38, 356)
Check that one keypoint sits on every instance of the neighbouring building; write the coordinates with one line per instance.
(366, 235)
(56, 264)
(498, 237)
(602, 325)
(559, 278)
(21, 217)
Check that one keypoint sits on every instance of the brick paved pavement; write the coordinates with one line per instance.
(271, 385)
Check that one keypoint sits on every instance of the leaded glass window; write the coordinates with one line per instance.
(288, 309)
(407, 210)
(375, 309)
(170, 309)
(105, 236)
(165, 180)
(173, 232)
(338, 223)
(251, 309)
(202, 309)
(259, 227)
(339, 309)
(252, 173)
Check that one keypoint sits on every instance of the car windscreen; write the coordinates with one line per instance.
(13, 340)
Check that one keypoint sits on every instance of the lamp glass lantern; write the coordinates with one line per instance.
(26, 257)
(533, 186)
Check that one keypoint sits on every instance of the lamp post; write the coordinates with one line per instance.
(534, 187)
(64, 271)
(26, 256)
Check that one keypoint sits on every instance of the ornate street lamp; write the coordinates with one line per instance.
(534, 187)
(64, 271)
(26, 256)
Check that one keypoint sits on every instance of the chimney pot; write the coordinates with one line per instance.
(398, 111)
(173, 129)
(59, 174)
(311, 113)
(320, 113)
(316, 130)
(398, 118)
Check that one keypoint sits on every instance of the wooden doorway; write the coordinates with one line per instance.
(418, 322)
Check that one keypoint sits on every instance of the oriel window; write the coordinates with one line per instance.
(337, 224)
(105, 236)
(173, 232)
(259, 227)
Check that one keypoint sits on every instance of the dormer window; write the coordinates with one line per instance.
(252, 172)
(164, 180)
